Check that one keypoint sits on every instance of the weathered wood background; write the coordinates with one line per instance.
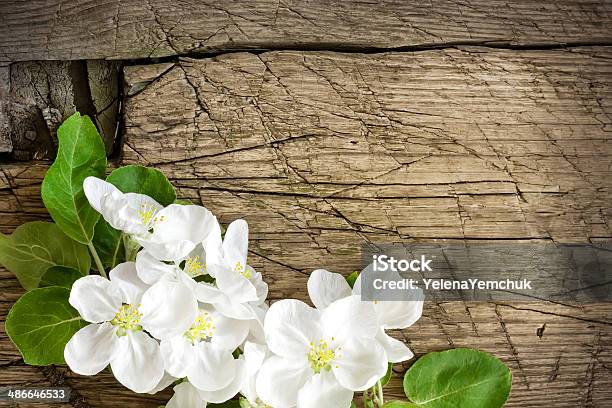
(328, 125)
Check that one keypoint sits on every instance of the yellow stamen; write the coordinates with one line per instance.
(148, 216)
(202, 329)
(321, 356)
(194, 267)
(239, 268)
(127, 318)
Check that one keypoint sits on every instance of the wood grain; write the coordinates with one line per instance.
(35, 97)
(131, 29)
(324, 152)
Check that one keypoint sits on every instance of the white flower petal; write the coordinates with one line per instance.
(207, 293)
(261, 287)
(95, 189)
(186, 396)
(125, 279)
(290, 327)
(118, 213)
(168, 309)
(325, 287)
(137, 363)
(256, 324)
(254, 356)
(360, 364)
(229, 333)
(95, 299)
(214, 368)
(150, 270)
(178, 354)
(213, 247)
(166, 381)
(236, 243)
(279, 381)
(224, 394)
(91, 349)
(348, 318)
(235, 286)
(179, 223)
(166, 250)
(399, 315)
(324, 391)
(240, 311)
(142, 202)
(396, 350)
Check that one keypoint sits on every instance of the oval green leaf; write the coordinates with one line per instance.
(458, 378)
(59, 276)
(81, 153)
(109, 244)
(41, 323)
(399, 404)
(143, 180)
(37, 246)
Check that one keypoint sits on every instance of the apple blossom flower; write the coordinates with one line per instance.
(203, 352)
(120, 310)
(319, 358)
(226, 261)
(325, 287)
(179, 231)
(185, 271)
(132, 213)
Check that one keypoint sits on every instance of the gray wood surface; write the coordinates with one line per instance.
(37, 96)
(322, 152)
(443, 121)
(129, 29)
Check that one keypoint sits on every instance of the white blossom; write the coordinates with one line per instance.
(320, 357)
(120, 310)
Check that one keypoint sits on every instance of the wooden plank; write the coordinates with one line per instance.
(89, 29)
(38, 96)
(6, 144)
(322, 152)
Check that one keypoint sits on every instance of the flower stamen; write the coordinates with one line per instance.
(148, 215)
(240, 269)
(127, 318)
(203, 328)
(321, 356)
(194, 267)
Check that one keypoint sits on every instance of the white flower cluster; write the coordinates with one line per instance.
(190, 310)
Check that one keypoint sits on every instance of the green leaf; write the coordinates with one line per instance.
(60, 276)
(180, 201)
(143, 180)
(385, 380)
(399, 404)
(108, 244)
(458, 378)
(81, 153)
(352, 278)
(41, 323)
(37, 246)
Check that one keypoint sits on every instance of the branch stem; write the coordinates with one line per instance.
(97, 260)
